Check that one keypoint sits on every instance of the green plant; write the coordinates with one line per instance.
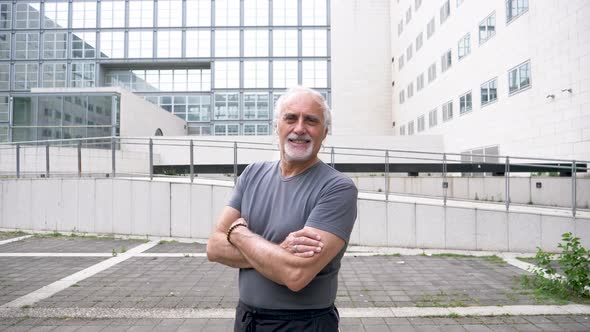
(123, 248)
(575, 263)
(114, 252)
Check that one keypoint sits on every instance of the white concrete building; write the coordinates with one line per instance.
(497, 76)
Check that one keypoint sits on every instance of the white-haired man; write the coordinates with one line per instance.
(287, 225)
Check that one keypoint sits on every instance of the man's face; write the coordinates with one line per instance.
(301, 129)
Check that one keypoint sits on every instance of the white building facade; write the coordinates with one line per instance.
(493, 77)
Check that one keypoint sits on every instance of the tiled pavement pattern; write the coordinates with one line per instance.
(62, 244)
(464, 324)
(176, 247)
(9, 235)
(22, 275)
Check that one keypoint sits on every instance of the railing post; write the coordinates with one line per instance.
(235, 162)
(18, 161)
(445, 184)
(47, 160)
(79, 159)
(574, 198)
(332, 157)
(386, 175)
(507, 185)
(113, 156)
(191, 168)
(151, 158)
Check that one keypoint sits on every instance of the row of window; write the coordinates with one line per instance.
(161, 13)
(519, 78)
(256, 75)
(231, 129)
(165, 44)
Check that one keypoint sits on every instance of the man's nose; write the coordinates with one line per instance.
(299, 127)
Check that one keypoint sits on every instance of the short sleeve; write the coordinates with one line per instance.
(236, 197)
(336, 210)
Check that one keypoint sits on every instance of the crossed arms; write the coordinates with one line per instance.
(277, 262)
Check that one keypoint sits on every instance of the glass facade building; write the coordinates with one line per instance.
(217, 64)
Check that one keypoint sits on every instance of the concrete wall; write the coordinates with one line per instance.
(139, 208)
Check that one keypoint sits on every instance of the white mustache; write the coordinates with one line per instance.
(295, 136)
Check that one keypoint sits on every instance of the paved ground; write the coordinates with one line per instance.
(102, 284)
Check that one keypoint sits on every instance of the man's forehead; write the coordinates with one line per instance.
(303, 103)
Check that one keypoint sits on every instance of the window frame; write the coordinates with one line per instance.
(488, 94)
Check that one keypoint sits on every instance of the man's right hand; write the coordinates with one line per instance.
(303, 243)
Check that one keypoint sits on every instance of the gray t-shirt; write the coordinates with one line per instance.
(275, 206)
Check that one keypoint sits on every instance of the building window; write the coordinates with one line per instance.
(410, 90)
(519, 78)
(27, 15)
(255, 12)
(4, 76)
(26, 45)
(489, 91)
(170, 13)
(514, 8)
(227, 129)
(420, 82)
(487, 28)
(402, 97)
(284, 42)
(112, 44)
(411, 128)
(256, 74)
(417, 4)
(5, 45)
(432, 118)
(227, 74)
(141, 13)
(227, 43)
(83, 14)
(227, 106)
(5, 15)
(464, 46)
(419, 41)
(25, 75)
(141, 44)
(401, 62)
(255, 43)
(465, 103)
(430, 28)
(56, 15)
(199, 130)
(314, 12)
(83, 44)
(198, 44)
(315, 73)
(112, 14)
(200, 13)
(421, 123)
(256, 106)
(445, 11)
(446, 61)
(4, 113)
(400, 27)
(54, 75)
(169, 44)
(432, 73)
(408, 15)
(259, 129)
(409, 52)
(447, 111)
(284, 12)
(82, 75)
(402, 130)
(284, 73)
(199, 108)
(314, 42)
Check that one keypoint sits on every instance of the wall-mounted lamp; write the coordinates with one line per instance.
(567, 89)
(550, 96)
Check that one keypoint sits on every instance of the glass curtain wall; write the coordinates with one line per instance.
(219, 65)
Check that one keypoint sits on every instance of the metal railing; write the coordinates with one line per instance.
(113, 147)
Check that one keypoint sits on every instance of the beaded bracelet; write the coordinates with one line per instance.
(231, 229)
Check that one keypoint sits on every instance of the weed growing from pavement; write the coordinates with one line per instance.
(444, 300)
(574, 285)
(13, 234)
(492, 259)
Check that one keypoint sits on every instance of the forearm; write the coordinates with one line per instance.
(221, 251)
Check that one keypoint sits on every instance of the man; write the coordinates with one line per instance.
(287, 225)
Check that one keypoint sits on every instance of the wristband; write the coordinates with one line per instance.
(231, 229)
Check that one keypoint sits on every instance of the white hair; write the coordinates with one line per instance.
(295, 91)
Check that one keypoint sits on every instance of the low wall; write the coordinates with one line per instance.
(156, 208)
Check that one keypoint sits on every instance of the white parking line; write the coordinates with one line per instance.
(55, 254)
(14, 239)
(51, 289)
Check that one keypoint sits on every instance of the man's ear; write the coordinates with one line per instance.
(325, 133)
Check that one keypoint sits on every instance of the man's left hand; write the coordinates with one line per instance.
(303, 243)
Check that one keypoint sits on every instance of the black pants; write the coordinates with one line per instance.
(251, 319)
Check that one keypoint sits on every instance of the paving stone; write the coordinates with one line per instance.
(64, 244)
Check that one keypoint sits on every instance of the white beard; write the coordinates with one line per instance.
(297, 154)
